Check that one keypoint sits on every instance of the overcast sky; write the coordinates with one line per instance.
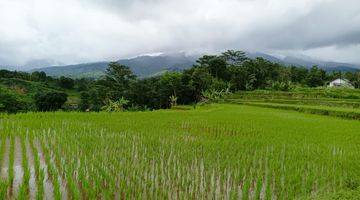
(74, 31)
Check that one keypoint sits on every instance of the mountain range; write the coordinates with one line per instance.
(150, 65)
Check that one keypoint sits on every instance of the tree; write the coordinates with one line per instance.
(200, 80)
(38, 76)
(238, 77)
(50, 101)
(354, 78)
(118, 78)
(9, 102)
(216, 66)
(84, 101)
(66, 82)
(145, 93)
(82, 84)
(234, 57)
(204, 60)
(171, 84)
(298, 74)
(316, 77)
(259, 72)
(116, 106)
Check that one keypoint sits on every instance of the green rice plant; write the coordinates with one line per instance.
(39, 173)
(53, 174)
(217, 151)
(24, 188)
(2, 150)
(11, 165)
(3, 184)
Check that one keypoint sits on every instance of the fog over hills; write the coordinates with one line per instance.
(143, 66)
(148, 65)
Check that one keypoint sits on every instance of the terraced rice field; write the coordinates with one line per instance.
(333, 102)
(212, 152)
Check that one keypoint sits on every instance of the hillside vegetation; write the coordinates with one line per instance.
(19, 90)
(212, 77)
(337, 102)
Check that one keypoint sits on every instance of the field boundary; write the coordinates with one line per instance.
(318, 111)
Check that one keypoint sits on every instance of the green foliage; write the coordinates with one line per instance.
(116, 106)
(10, 102)
(281, 86)
(51, 101)
(213, 95)
(38, 76)
(84, 101)
(118, 78)
(66, 82)
(173, 100)
(316, 77)
(230, 70)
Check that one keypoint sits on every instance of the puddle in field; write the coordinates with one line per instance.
(62, 182)
(48, 186)
(18, 170)
(32, 181)
(5, 162)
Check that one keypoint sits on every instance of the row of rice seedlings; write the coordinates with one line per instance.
(65, 169)
(95, 184)
(252, 184)
(3, 183)
(39, 173)
(52, 172)
(24, 188)
(71, 179)
(153, 166)
(2, 150)
(67, 165)
(11, 165)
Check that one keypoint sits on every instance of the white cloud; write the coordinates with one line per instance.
(73, 31)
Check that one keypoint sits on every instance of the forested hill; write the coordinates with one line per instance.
(142, 66)
(145, 66)
(230, 71)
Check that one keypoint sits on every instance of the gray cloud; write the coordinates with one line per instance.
(73, 31)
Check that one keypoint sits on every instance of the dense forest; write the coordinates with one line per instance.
(120, 89)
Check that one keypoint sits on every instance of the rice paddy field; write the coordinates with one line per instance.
(218, 151)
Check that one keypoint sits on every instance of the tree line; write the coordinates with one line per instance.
(230, 71)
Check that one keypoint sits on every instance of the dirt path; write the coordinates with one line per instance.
(32, 181)
(18, 170)
(48, 186)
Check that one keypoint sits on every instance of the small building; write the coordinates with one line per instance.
(341, 83)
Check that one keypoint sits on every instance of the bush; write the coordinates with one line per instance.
(281, 86)
(51, 101)
(84, 101)
(66, 82)
(10, 103)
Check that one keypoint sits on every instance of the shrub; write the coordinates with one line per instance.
(51, 101)
(10, 103)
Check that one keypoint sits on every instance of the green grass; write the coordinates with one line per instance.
(301, 93)
(344, 103)
(211, 152)
(347, 113)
